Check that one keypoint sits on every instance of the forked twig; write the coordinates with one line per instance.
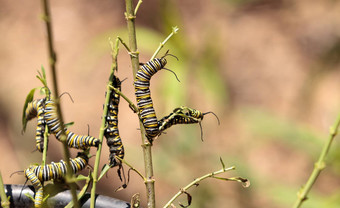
(209, 175)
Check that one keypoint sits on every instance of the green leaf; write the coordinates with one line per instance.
(29, 99)
(81, 177)
(105, 168)
(69, 124)
(29, 196)
(223, 166)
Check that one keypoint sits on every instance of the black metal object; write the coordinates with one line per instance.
(18, 198)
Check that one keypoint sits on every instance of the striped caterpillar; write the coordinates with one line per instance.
(111, 133)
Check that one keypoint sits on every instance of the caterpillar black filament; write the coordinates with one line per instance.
(111, 133)
(34, 109)
(37, 174)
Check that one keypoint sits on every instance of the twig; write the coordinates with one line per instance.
(52, 62)
(195, 182)
(161, 45)
(131, 104)
(149, 183)
(4, 200)
(318, 166)
(137, 6)
(131, 167)
(83, 190)
(102, 127)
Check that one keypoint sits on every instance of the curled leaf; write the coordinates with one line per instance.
(189, 199)
(29, 98)
(245, 182)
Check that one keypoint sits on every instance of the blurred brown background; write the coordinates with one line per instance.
(269, 69)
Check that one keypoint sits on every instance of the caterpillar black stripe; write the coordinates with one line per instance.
(143, 97)
(37, 174)
(111, 133)
(34, 109)
(73, 140)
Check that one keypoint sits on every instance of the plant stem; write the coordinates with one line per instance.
(83, 190)
(4, 200)
(137, 7)
(114, 67)
(161, 45)
(131, 167)
(131, 104)
(195, 182)
(52, 64)
(149, 183)
(44, 155)
(45, 146)
(318, 166)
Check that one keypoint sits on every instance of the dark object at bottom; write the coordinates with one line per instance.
(59, 200)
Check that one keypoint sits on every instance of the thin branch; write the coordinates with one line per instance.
(137, 6)
(102, 127)
(161, 45)
(52, 64)
(83, 190)
(131, 167)
(318, 167)
(149, 183)
(195, 182)
(131, 104)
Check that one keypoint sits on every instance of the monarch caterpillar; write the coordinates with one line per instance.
(111, 133)
(39, 191)
(183, 115)
(143, 97)
(36, 109)
(37, 174)
(73, 140)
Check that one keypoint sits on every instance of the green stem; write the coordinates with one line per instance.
(45, 134)
(45, 146)
(161, 45)
(52, 64)
(102, 127)
(131, 167)
(149, 183)
(137, 7)
(195, 182)
(318, 167)
(4, 200)
(131, 104)
(82, 192)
